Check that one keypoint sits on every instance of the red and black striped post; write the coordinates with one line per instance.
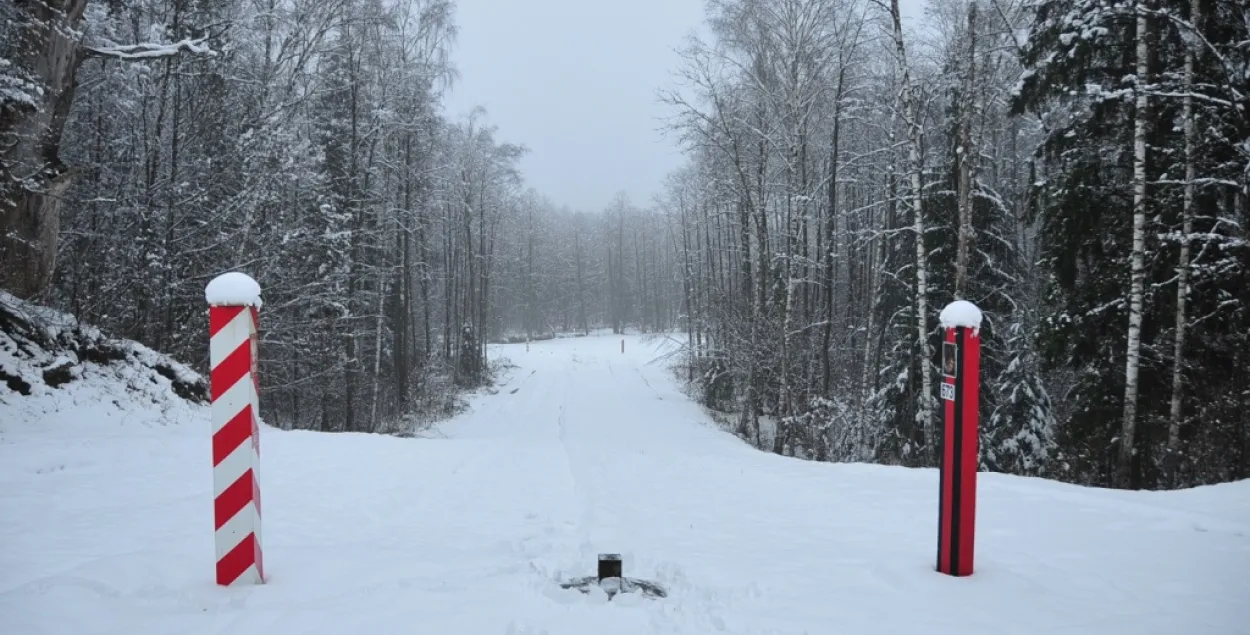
(961, 382)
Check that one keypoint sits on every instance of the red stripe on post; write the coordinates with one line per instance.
(233, 564)
(220, 316)
(970, 450)
(233, 434)
(231, 369)
(235, 498)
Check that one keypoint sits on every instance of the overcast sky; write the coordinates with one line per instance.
(575, 81)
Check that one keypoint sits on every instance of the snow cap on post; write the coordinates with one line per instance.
(961, 313)
(233, 289)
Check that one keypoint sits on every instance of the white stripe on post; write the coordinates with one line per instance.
(229, 403)
(233, 301)
(222, 344)
(233, 467)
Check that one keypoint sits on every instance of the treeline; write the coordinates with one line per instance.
(301, 141)
(1077, 168)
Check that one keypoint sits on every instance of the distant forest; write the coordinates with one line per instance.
(1079, 169)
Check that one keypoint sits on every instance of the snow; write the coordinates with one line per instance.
(234, 288)
(960, 313)
(106, 526)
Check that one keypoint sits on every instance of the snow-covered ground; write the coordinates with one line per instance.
(106, 527)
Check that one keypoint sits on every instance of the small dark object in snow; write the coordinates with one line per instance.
(612, 582)
(609, 566)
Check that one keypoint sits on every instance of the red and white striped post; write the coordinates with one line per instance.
(961, 386)
(234, 299)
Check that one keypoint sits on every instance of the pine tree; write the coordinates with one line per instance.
(1102, 148)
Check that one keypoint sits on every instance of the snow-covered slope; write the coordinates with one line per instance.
(58, 376)
(105, 527)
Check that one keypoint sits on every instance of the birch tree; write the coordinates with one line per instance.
(911, 119)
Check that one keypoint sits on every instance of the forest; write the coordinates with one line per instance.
(1079, 169)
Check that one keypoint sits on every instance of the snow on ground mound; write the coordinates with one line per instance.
(55, 370)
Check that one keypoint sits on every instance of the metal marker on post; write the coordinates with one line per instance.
(234, 299)
(961, 382)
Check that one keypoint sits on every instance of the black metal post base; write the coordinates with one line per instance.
(609, 566)
(612, 582)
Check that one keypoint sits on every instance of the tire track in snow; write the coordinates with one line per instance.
(578, 529)
(584, 463)
(563, 521)
(648, 383)
(596, 464)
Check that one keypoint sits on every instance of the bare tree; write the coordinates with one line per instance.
(41, 43)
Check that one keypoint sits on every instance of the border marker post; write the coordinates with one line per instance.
(961, 383)
(234, 302)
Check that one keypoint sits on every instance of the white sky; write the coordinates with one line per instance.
(575, 81)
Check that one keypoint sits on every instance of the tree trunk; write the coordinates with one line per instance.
(830, 237)
(530, 317)
(379, 325)
(1171, 459)
(449, 286)
(640, 283)
(687, 285)
(614, 302)
(877, 247)
(795, 210)
(967, 111)
(1124, 470)
(468, 367)
(925, 413)
(582, 324)
(43, 51)
(423, 261)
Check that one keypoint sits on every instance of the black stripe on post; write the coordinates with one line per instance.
(957, 455)
(942, 467)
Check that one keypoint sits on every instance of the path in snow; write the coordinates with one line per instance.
(105, 527)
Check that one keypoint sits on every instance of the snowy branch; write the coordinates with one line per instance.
(148, 50)
(1196, 96)
(1201, 181)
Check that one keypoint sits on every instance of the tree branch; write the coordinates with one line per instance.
(148, 50)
